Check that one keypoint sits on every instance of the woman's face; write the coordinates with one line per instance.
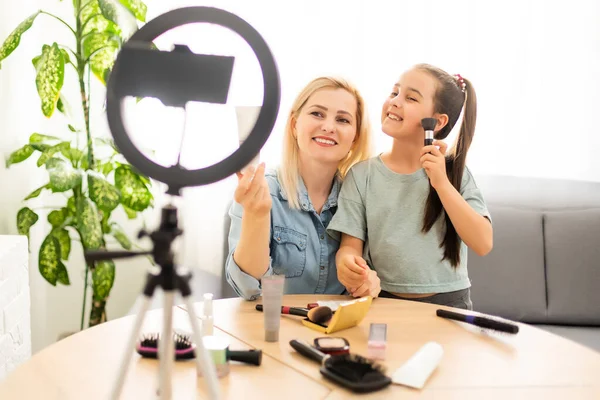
(326, 126)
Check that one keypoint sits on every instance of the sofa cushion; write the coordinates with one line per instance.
(510, 280)
(573, 266)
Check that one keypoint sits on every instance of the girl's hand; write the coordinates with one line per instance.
(252, 192)
(433, 160)
(352, 271)
(371, 286)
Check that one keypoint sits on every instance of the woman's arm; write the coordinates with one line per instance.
(252, 251)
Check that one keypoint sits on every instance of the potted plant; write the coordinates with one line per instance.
(86, 170)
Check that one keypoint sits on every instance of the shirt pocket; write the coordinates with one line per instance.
(289, 252)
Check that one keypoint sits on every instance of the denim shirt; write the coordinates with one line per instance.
(300, 247)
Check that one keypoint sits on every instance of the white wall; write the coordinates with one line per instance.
(15, 316)
(533, 63)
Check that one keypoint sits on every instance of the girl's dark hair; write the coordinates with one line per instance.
(448, 99)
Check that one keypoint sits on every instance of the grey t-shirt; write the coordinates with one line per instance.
(385, 210)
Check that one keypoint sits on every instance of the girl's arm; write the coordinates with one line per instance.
(352, 269)
(475, 230)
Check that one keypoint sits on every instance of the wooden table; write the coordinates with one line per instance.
(532, 364)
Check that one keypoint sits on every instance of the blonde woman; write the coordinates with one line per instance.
(279, 218)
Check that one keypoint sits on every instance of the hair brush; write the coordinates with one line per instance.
(352, 371)
(185, 349)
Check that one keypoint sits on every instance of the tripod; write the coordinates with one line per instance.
(170, 281)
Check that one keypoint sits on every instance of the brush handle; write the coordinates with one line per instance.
(253, 357)
(308, 351)
(482, 322)
(288, 310)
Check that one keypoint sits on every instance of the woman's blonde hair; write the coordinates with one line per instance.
(289, 170)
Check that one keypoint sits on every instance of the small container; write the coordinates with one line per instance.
(217, 348)
(272, 296)
(207, 315)
(377, 341)
(332, 345)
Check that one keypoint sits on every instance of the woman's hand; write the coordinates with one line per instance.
(433, 161)
(370, 287)
(252, 192)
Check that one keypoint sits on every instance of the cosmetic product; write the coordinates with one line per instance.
(318, 315)
(272, 296)
(377, 341)
(418, 368)
(428, 125)
(332, 345)
(207, 315)
(482, 322)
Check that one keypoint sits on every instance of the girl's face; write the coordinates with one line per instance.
(410, 101)
(326, 126)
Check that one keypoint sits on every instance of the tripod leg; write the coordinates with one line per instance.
(137, 326)
(166, 347)
(204, 362)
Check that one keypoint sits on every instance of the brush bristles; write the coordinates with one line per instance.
(182, 342)
(320, 315)
(356, 368)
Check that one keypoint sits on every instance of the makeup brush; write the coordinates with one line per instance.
(318, 315)
(428, 125)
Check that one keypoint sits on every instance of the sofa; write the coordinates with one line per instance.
(544, 268)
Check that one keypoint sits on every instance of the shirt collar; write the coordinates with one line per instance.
(306, 204)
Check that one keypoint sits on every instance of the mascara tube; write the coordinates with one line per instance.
(481, 322)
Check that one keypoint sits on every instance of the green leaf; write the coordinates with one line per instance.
(25, 220)
(64, 241)
(136, 7)
(66, 57)
(134, 193)
(41, 147)
(130, 213)
(109, 10)
(106, 228)
(71, 127)
(12, 41)
(19, 155)
(72, 209)
(88, 224)
(39, 138)
(59, 104)
(50, 76)
(49, 259)
(49, 152)
(101, 48)
(57, 217)
(74, 155)
(102, 192)
(62, 176)
(117, 233)
(107, 168)
(62, 275)
(37, 192)
(103, 277)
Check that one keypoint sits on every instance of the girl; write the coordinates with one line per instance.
(410, 213)
(279, 218)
